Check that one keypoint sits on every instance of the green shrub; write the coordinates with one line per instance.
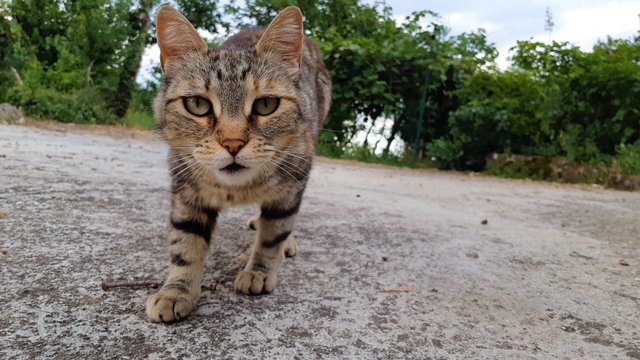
(476, 131)
(6, 77)
(85, 106)
(445, 153)
(577, 145)
(628, 156)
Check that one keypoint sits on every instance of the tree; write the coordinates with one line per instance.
(86, 53)
(548, 21)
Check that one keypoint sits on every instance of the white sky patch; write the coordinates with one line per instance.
(502, 60)
(460, 22)
(580, 22)
(150, 59)
(585, 26)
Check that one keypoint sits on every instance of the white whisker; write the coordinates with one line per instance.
(177, 176)
(278, 165)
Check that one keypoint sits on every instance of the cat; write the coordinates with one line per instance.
(241, 122)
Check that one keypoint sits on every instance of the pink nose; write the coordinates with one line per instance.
(233, 146)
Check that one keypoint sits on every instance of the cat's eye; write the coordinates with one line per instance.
(265, 106)
(197, 105)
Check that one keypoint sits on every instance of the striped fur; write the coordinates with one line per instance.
(274, 152)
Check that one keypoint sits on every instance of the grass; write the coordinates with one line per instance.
(364, 154)
(139, 119)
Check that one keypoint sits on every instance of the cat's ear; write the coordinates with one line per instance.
(283, 38)
(176, 35)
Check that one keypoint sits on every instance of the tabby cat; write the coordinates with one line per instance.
(241, 122)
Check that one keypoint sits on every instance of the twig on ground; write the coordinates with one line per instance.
(406, 288)
(107, 284)
(241, 258)
(210, 287)
(112, 284)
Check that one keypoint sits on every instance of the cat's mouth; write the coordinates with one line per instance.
(233, 168)
(235, 174)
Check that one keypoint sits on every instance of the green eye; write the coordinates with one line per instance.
(197, 105)
(265, 106)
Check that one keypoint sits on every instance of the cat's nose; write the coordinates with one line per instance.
(233, 146)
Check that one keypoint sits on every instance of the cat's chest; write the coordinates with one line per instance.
(222, 196)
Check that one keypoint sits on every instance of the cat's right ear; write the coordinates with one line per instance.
(176, 36)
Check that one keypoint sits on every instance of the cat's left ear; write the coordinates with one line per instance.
(283, 38)
(176, 36)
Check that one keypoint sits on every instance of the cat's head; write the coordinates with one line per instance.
(235, 110)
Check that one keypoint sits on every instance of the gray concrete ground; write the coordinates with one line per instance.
(544, 278)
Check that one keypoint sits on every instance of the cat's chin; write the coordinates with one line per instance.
(235, 176)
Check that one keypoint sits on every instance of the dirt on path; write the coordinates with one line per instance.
(491, 268)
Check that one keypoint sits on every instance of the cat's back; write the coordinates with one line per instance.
(245, 39)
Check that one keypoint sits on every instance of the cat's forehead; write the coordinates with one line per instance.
(229, 70)
(230, 62)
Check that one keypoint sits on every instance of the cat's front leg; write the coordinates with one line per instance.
(274, 226)
(189, 237)
(290, 246)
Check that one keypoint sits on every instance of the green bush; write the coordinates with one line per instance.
(78, 107)
(5, 78)
(445, 153)
(577, 145)
(476, 131)
(500, 112)
(628, 156)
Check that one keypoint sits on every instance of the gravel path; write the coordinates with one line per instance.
(553, 272)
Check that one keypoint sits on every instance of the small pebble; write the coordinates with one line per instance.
(623, 262)
(568, 328)
(484, 222)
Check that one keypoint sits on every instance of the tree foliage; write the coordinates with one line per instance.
(76, 60)
(556, 101)
(84, 54)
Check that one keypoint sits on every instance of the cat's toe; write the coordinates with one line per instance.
(291, 248)
(251, 224)
(254, 283)
(169, 305)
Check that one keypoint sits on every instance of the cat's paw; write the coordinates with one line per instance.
(254, 282)
(169, 305)
(290, 247)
